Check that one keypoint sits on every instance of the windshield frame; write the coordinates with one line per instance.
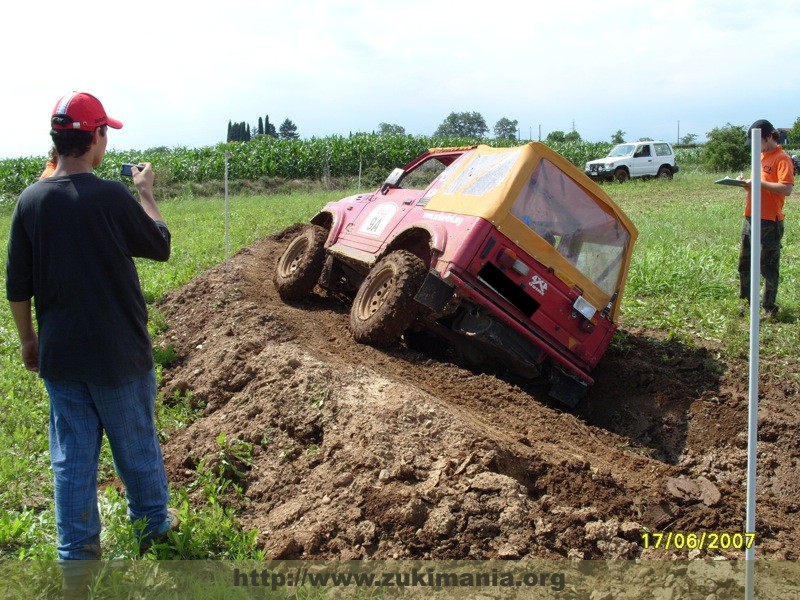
(622, 150)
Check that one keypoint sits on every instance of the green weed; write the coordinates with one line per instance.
(165, 355)
(319, 396)
(235, 458)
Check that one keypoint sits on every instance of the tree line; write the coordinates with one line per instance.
(725, 149)
(456, 124)
(242, 132)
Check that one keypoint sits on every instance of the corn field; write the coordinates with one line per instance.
(265, 156)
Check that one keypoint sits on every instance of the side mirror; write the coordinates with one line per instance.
(393, 180)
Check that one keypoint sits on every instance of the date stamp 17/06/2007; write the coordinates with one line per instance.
(706, 540)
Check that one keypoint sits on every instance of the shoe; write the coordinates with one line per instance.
(744, 308)
(770, 313)
(174, 524)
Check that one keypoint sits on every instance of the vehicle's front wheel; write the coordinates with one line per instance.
(384, 305)
(299, 267)
(621, 175)
(665, 173)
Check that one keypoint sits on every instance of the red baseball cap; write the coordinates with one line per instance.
(81, 111)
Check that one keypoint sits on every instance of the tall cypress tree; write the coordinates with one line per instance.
(269, 128)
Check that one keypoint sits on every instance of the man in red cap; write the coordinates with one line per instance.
(71, 246)
(777, 182)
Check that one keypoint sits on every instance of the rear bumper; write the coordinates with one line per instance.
(529, 331)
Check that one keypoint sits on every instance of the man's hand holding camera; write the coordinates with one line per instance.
(143, 177)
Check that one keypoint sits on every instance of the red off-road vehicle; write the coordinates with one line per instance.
(511, 256)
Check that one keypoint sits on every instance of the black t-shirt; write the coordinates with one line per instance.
(71, 248)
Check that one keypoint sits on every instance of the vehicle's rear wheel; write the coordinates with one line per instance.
(665, 173)
(299, 267)
(621, 175)
(384, 305)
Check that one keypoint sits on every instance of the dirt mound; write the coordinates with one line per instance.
(346, 451)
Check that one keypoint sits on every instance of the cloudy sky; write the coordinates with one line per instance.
(175, 73)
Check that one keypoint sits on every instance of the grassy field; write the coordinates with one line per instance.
(683, 277)
(683, 282)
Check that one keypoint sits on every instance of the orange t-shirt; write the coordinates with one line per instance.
(48, 170)
(776, 167)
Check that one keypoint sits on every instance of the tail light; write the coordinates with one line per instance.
(507, 259)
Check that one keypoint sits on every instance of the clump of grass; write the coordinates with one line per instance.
(319, 396)
(209, 528)
(235, 458)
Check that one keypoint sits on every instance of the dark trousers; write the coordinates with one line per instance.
(771, 235)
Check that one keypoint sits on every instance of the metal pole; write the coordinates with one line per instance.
(752, 418)
(227, 213)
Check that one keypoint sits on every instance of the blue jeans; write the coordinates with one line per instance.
(79, 413)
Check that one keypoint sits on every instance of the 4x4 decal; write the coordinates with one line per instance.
(538, 284)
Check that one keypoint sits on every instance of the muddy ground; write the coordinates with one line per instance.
(353, 452)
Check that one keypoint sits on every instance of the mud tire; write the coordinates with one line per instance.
(384, 305)
(300, 265)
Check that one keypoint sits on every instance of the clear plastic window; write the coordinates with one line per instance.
(580, 229)
(483, 174)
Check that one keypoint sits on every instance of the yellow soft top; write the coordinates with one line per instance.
(488, 181)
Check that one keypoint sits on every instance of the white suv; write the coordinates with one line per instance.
(634, 159)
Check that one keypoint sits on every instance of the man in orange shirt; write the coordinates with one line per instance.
(52, 163)
(777, 181)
